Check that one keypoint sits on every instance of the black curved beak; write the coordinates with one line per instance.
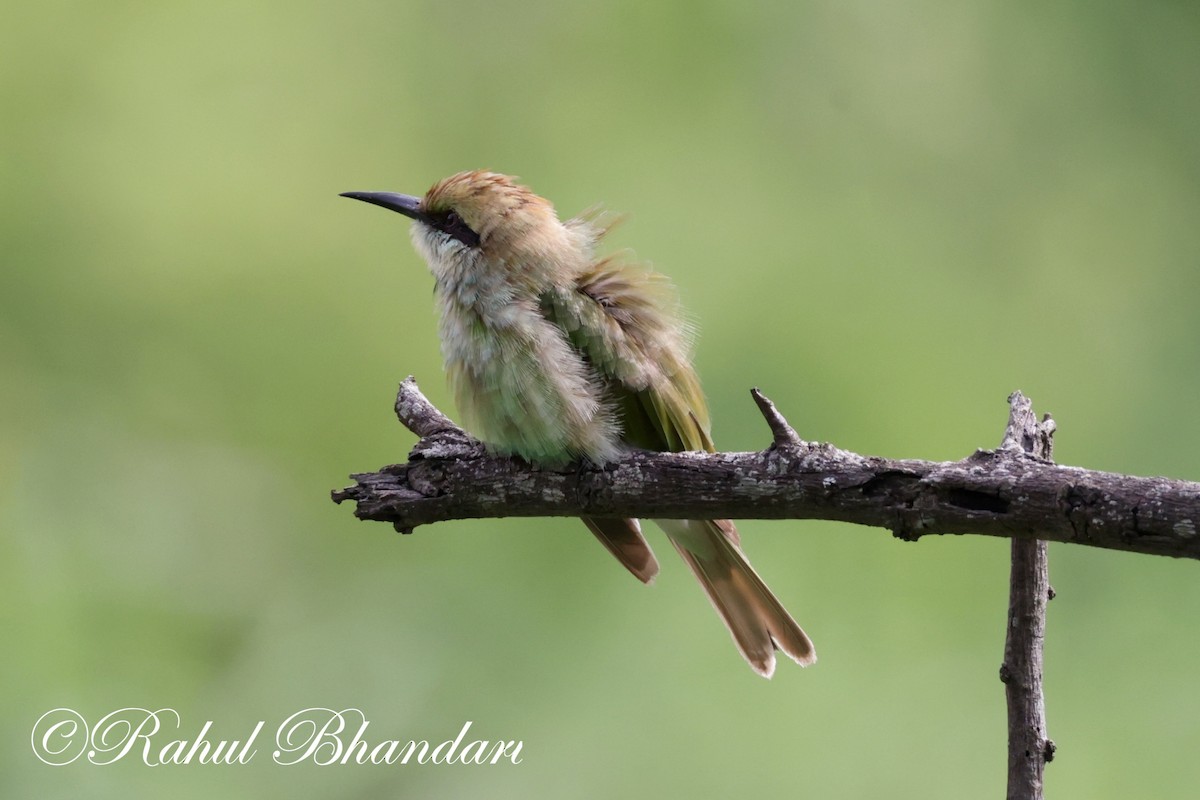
(404, 204)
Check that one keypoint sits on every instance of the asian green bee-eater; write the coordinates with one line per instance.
(555, 354)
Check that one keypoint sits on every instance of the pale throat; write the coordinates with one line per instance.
(517, 381)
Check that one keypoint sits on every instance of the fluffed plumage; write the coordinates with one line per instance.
(555, 353)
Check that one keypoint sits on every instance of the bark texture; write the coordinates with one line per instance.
(1006, 492)
(1029, 747)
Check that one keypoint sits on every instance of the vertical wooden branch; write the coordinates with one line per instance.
(1029, 748)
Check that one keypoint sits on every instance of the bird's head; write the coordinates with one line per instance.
(482, 220)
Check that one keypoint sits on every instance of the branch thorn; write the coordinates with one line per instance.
(783, 433)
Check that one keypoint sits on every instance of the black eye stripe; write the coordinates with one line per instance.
(451, 223)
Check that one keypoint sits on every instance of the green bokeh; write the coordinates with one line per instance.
(888, 216)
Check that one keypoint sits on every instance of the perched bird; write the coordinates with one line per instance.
(555, 354)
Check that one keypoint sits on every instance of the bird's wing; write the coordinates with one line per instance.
(623, 538)
(625, 321)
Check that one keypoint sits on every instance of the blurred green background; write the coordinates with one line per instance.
(888, 216)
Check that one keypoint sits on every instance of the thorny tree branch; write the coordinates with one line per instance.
(1029, 748)
(1003, 492)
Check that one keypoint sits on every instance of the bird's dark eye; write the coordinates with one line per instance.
(451, 223)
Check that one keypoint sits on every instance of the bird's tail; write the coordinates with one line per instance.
(759, 623)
